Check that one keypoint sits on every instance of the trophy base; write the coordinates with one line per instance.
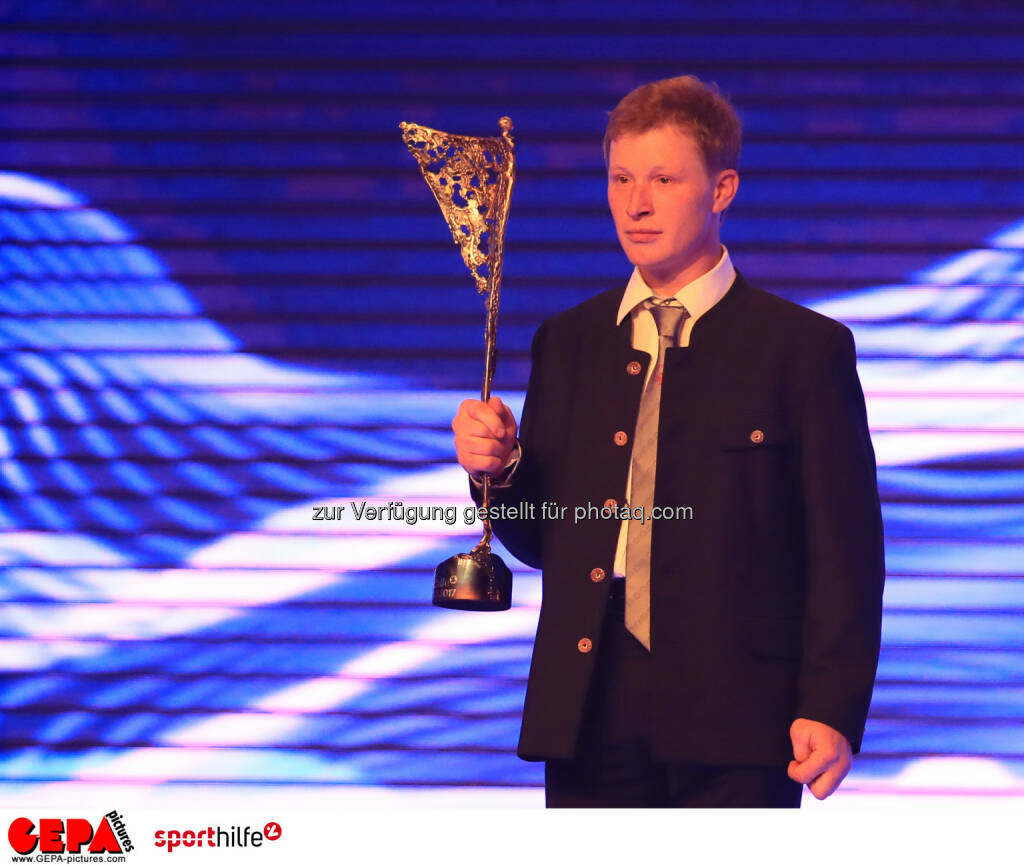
(465, 582)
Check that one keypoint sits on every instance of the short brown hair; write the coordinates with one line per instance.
(695, 107)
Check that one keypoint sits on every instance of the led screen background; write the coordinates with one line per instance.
(228, 297)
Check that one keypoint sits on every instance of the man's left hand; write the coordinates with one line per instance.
(823, 756)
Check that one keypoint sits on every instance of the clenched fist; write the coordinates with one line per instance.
(822, 756)
(485, 434)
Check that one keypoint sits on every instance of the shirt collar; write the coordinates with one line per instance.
(698, 296)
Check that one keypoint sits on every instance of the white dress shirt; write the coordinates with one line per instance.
(698, 297)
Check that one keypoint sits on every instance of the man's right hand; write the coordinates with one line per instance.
(485, 434)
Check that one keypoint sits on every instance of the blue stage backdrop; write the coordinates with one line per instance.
(228, 298)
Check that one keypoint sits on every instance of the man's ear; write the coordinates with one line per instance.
(726, 185)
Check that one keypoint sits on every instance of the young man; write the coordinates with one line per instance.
(697, 455)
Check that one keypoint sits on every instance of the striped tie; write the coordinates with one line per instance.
(668, 316)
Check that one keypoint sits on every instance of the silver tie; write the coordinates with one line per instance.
(668, 316)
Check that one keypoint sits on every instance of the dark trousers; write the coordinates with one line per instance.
(613, 764)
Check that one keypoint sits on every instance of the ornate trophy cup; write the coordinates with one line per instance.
(471, 178)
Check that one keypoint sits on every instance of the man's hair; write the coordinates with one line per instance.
(688, 103)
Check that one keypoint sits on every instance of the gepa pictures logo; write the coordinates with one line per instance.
(70, 835)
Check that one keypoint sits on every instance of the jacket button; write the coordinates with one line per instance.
(584, 645)
(633, 368)
(757, 436)
(597, 575)
(620, 438)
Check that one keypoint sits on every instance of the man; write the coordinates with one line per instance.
(720, 648)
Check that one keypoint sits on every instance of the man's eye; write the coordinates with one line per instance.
(664, 180)
(621, 178)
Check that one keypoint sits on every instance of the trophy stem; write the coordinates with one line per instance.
(483, 547)
(480, 568)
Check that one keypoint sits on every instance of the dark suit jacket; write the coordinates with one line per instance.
(766, 604)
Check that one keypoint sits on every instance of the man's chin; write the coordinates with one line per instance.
(638, 258)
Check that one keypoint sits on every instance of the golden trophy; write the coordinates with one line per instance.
(471, 178)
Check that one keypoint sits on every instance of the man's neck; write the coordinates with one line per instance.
(670, 283)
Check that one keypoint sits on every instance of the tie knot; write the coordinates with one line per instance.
(668, 313)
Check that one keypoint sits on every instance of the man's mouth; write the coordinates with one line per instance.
(642, 235)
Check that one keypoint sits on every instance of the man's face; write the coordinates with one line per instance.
(665, 205)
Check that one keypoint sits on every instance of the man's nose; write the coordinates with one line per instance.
(640, 202)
